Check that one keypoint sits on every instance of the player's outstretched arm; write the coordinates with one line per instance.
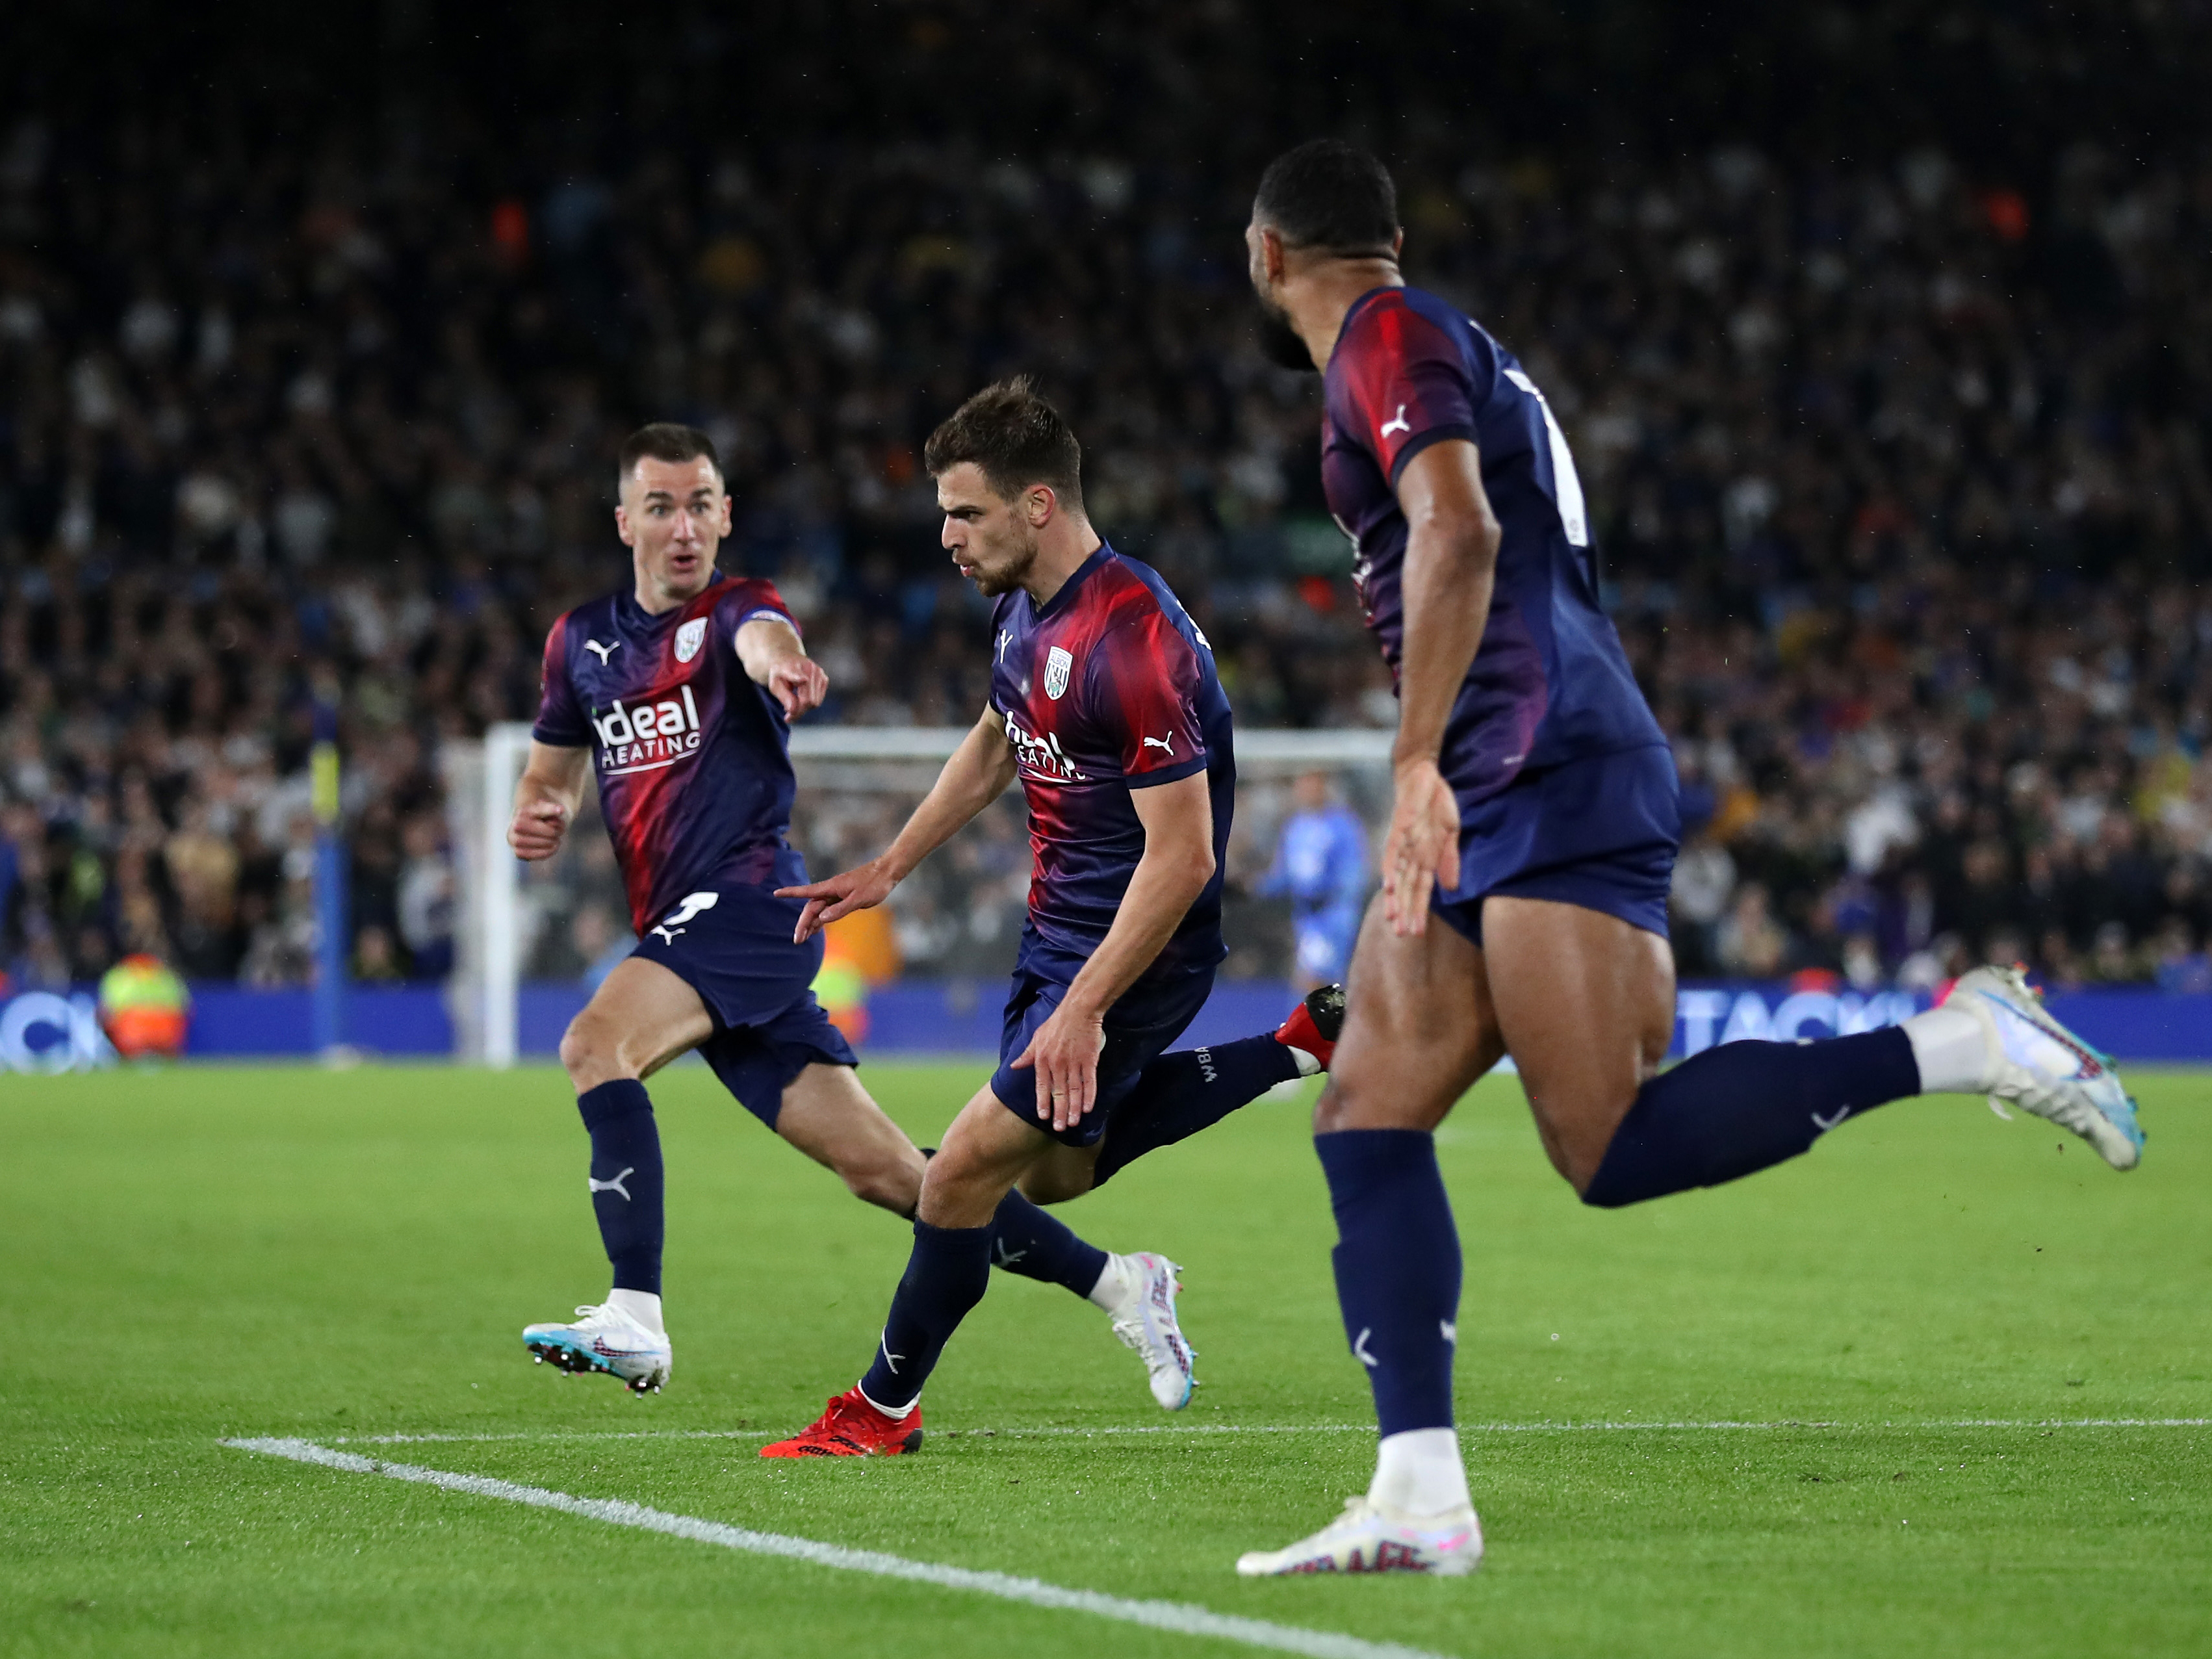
(773, 656)
(546, 798)
(1451, 561)
(1176, 864)
(977, 775)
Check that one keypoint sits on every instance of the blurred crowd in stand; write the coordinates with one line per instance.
(1898, 468)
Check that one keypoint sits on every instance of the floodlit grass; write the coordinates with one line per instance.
(205, 1253)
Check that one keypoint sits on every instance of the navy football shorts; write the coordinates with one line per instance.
(1599, 832)
(732, 945)
(1138, 1028)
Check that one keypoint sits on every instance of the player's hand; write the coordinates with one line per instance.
(537, 829)
(840, 895)
(799, 684)
(1421, 852)
(1065, 1052)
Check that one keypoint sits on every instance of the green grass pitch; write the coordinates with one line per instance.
(197, 1254)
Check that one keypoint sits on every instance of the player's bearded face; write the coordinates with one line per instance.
(1000, 552)
(989, 538)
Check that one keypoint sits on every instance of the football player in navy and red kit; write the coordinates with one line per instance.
(1533, 817)
(677, 693)
(1105, 705)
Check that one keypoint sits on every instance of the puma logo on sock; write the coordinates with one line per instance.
(1825, 1124)
(614, 1186)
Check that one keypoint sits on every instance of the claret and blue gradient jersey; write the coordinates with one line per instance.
(1550, 682)
(1108, 687)
(693, 757)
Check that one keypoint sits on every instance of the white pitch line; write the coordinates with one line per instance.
(547, 1436)
(1176, 1616)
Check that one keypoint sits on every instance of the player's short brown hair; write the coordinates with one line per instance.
(1330, 195)
(1015, 437)
(665, 440)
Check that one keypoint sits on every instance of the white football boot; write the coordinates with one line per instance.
(1148, 1323)
(2043, 1068)
(1368, 1538)
(605, 1338)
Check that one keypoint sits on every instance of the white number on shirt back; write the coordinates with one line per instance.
(1566, 484)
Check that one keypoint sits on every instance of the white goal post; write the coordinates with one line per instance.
(496, 928)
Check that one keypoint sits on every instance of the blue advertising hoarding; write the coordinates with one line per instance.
(48, 1032)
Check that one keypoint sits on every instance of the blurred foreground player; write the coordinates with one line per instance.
(1534, 817)
(144, 1008)
(1105, 704)
(682, 686)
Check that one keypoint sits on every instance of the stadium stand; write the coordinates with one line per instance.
(1896, 444)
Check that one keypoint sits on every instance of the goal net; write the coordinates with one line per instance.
(533, 939)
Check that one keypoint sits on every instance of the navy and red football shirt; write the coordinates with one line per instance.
(1550, 682)
(1108, 687)
(694, 758)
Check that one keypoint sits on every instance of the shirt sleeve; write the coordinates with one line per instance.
(1143, 684)
(561, 721)
(755, 600)
(1410, 387)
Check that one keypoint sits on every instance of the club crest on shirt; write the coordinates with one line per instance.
(1057, 666)
(689, 637)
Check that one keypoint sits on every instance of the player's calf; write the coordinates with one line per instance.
(1179, 1094)
(826, 1114)
(1744, 1106)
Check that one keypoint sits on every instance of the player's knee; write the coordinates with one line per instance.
(1577, 1166)
(1603, 1183)
(590, 1053)
(1345, 1105)
(892, 1187)
(1578, 1141)
(1048, 1185)
(954, 1194)
(1329, 1110)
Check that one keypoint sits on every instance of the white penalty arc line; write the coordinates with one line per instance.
(1176, 1616)
(543, 1436)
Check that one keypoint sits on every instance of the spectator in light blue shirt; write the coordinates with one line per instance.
(1321, 865)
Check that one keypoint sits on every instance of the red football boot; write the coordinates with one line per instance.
(851, 1427)
(1315, 1025)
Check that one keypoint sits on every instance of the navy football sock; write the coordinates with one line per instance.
(945, 1276)
(1743, 1106)
(1025, 1240)
(1179, 1094)
(626, 1180)
(1397, 1269)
